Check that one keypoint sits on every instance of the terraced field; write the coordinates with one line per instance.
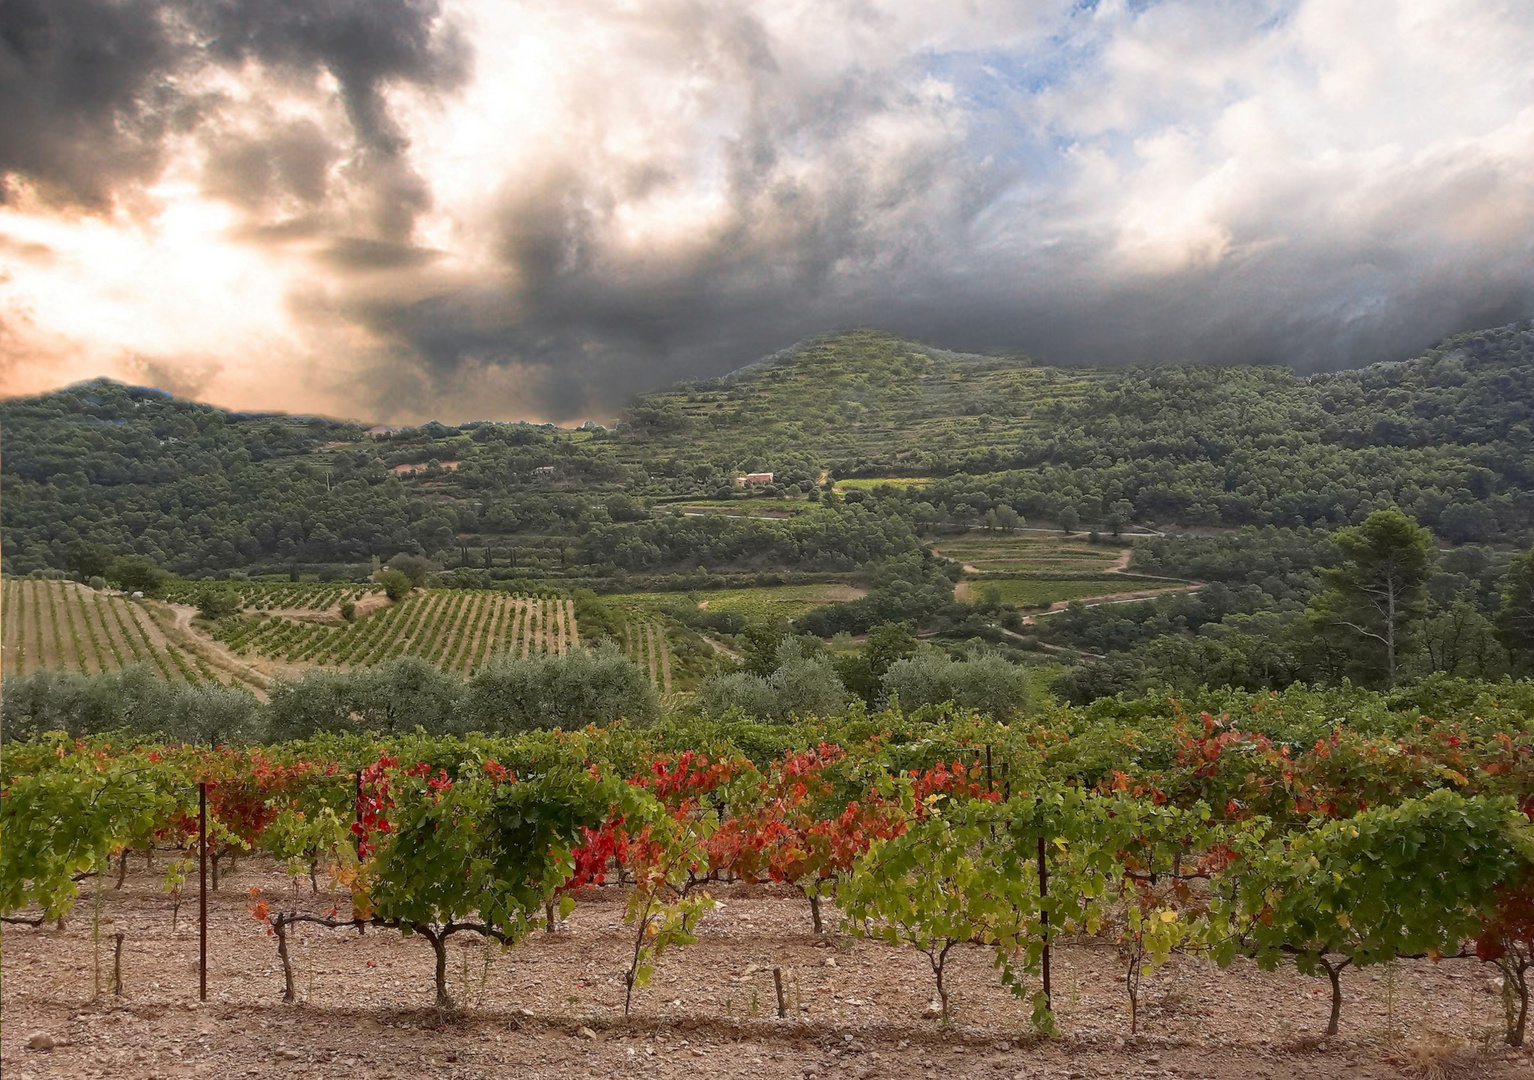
(455, 629)
(64, 626)
(1029, 552)
(864, 483)
(766, 603)
(867, 396)
(1037, 569)
(1043, 592)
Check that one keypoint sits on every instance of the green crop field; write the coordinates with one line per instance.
(767, 602)
(455, 629)
(1026, 552)
(876, 482)
(1038, 592)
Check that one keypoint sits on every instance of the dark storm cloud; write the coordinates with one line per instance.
(291, 159)
(92, 90)
(84, 93)
(504, 208)
(365, 45)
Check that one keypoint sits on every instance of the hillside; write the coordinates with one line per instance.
(101, 469)
(1446, 435)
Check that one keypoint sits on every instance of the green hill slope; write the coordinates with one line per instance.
(99, 470)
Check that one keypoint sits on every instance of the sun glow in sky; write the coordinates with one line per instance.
(402, 209)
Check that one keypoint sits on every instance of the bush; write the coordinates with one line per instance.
(132, 701)
(396, 584)
(397, 695)
(586, 686)
(215, 603)
(987, 684)
(414, 567)
(801, 686)
(135, 573)
(737, 690)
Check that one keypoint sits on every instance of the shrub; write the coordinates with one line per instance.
(396, 584)
(585, 686)
(987, 684)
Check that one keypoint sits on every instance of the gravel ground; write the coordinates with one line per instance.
(553, 1006)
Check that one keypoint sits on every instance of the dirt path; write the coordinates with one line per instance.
(214, 655)
(720, 647)
(855, 1007)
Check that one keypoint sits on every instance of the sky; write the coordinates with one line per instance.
(397, 210)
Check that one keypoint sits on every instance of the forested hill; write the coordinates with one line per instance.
(1442, 433)
(100, 469)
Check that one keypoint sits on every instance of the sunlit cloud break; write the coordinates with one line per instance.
(402, 209)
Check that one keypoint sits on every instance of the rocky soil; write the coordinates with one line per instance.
(553, 1006)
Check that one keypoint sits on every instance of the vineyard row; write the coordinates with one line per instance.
(63, 626)
(269, 596)
(644, 642)
(926, 858)
(457, 630)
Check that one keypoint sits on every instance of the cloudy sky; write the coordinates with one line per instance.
(466, 209)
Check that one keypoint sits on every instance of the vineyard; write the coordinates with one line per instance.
(1266, 839)
(455, 629)
(276, 596)
(64, 626)
(644, 642)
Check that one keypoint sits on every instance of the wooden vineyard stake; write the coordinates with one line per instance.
(777, 982)
(358, 815)
(202, 890)
(1044, 918)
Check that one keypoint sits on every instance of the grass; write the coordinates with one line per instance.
(767, 602)
(872, 483)
(1019, 553)
(770, 506)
